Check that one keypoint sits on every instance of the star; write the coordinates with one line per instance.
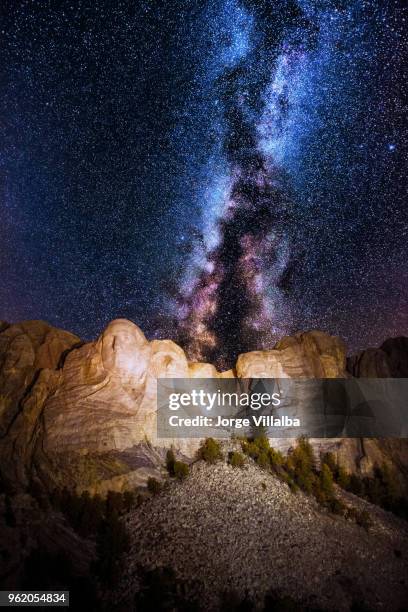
(222, 173)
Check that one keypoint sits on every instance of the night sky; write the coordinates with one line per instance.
(222, 173)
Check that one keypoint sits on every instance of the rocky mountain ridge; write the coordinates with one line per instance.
(84, 414)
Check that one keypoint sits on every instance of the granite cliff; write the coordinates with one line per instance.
(83, 414)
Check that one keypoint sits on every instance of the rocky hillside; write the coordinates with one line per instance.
(228, 533)
(83, 414)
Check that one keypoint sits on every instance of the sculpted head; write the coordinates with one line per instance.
(125, 351)
(260, 364)
(168, 360)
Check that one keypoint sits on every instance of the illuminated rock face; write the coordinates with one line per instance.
(305, 355)
(75, 413)
(26, 349)
(97, 406)
(125, 353)
(107, 396)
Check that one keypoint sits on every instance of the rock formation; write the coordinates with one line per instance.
(84, 414)
(305, 355)
(388, 361)
(25, 350)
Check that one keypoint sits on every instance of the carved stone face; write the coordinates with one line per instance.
(125, 351)
(168, 360)
(260, 364)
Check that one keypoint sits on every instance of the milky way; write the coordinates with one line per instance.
(236, 301)
(274, 98)
(221, 172)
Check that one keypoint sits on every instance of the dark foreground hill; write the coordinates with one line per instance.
(234, 533)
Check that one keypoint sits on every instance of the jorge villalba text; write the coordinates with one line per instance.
(234, 422)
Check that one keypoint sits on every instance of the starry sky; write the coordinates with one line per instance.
(220, 172)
